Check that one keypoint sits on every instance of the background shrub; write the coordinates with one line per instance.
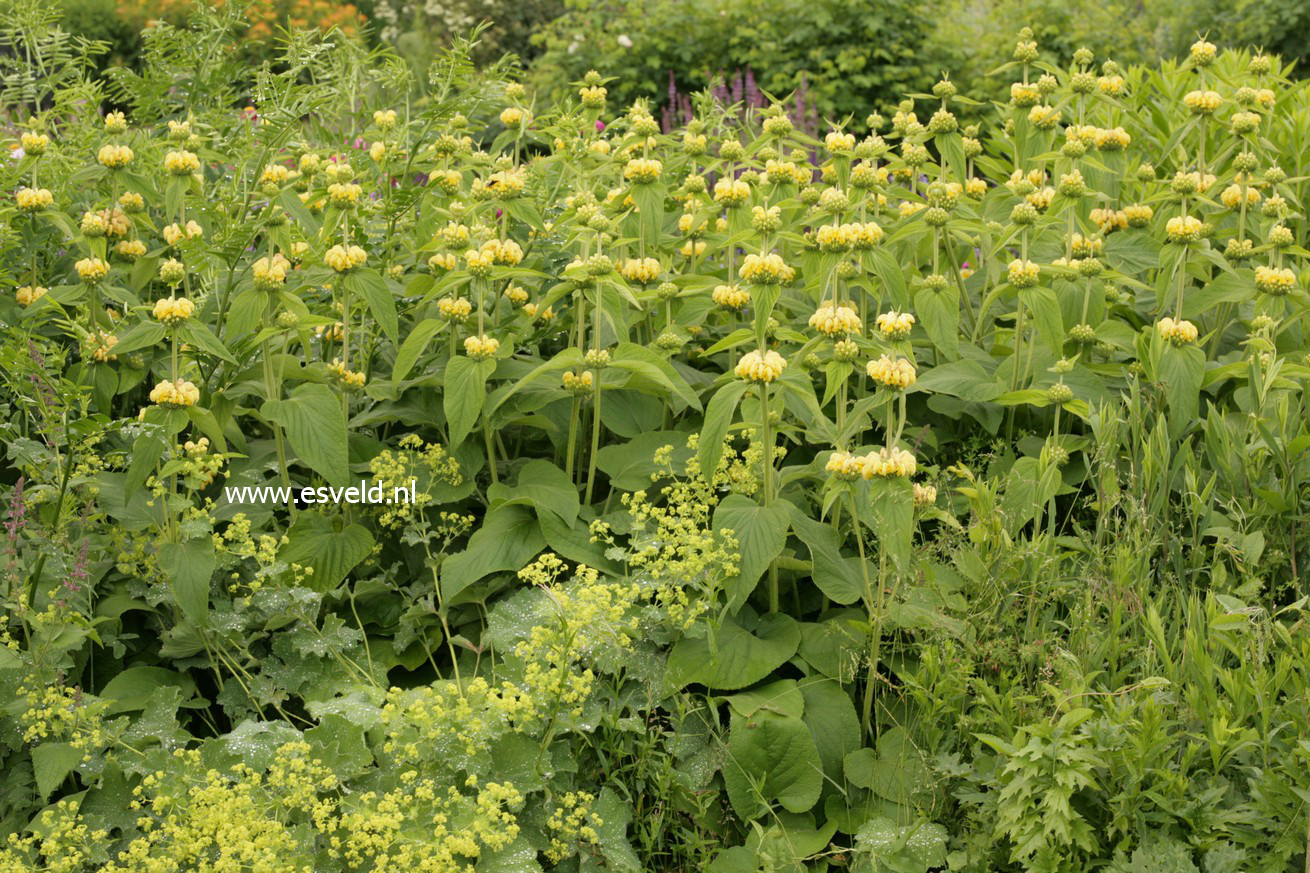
(417, 29)
(854, 56)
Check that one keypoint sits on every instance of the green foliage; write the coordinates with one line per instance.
(1047, 767)
(932, 500)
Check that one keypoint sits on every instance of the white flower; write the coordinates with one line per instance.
(624, 41)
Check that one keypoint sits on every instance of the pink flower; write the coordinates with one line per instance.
(600, 125)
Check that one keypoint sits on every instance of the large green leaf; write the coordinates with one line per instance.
(339, 744)
(896, 771)
(508, 539)
(732, 657)
(891, 505)
(248, 310)
(255, 742)
(1045, 311)
(465, 393)
(566, 359)
(189, 566)
(763, 299)
(573, 543)
(1225, 288)
(836, 575)
(316, 427)
(836, 646)
(718, 417)
(830, 716)
(630, 414)
(51, 764)
(641, 360)
(914, 848)
(1027, 490)
(330, 545)
(630, 465)
(1132, 252)
(1182, 370)
(891, 276)
(198, 334)
(939, 312)
(771, 759)
(782, 696)
(412, 347)
(370, 285)
(207, 423)
(545, 487)
(130, 690)
(147, 449)
(518, 857)
(737, 859)
(964, 378)
(615, 851)
(760, 531)
(951, 147)
(143, 335)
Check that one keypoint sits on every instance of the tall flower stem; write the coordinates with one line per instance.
(766, 442)
(272, 392)
(841, 415)
(866, 715)
(595, 437)
(572, 451)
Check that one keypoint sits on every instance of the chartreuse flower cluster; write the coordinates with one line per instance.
(672, 542)
(588, 616)
(193, 817)
(61, 842)
(61, 714)
(425, 826)
(454, 723)
(571, 825)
